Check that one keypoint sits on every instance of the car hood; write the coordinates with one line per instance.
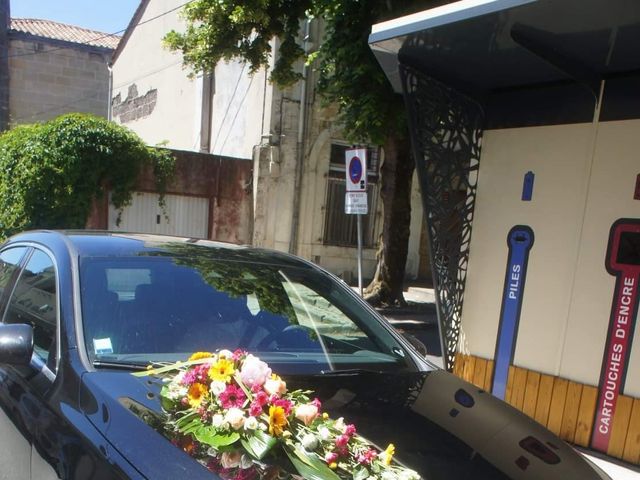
(441, 426)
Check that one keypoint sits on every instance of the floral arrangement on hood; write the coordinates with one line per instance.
(235, 416)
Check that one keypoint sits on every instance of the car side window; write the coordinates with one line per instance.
(34, 302)
(9, 264)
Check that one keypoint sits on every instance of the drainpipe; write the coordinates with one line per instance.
(295, 221)
(109, 106)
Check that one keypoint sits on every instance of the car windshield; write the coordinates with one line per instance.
(162, 308)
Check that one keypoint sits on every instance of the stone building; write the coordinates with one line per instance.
(49, 68)
(296, 148)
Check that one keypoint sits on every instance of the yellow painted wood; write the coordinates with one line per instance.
(458, 366)
(584, 424)
(488, 376)
(531, 393)
(619, 426)
(570, 414)
(631, 451)
(509, 388)
(478, 374)
(519, 386)
(469, 367)
(556, 408)
(545, 391)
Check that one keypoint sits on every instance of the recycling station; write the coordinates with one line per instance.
(524, 118)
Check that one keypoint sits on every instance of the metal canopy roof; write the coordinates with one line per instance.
(482, 46)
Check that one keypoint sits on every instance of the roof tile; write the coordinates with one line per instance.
(64, 32)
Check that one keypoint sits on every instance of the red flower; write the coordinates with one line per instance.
(261, 398)
(255, 409)
(232, 397)
(342, 440)
(350, 430)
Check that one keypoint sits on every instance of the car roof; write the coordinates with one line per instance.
(96, 243)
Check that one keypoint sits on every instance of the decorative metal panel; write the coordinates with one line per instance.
(446, 132)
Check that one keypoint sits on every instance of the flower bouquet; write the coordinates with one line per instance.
(235, 416)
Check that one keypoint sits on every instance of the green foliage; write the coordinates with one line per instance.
(225, 30)
(50, 173)
(349, 73)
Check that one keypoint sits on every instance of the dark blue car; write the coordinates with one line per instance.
(81, 311)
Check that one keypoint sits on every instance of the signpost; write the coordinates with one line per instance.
(355, 200)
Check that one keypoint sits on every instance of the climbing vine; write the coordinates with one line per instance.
(50, 173)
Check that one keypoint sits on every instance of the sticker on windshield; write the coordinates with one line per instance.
(102, 346)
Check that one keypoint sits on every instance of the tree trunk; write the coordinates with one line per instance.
(396, 174)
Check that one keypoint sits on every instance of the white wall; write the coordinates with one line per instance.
(237, 101)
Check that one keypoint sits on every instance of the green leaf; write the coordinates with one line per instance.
(309, 465)
(360, 473)
(258, 444)
(213, 438)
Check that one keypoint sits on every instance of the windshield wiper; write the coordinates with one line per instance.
(348, 372)
(121, 365)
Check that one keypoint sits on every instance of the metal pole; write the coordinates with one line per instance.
(359, 223)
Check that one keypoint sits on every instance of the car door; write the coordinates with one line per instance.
(15, 439)
(34, 301)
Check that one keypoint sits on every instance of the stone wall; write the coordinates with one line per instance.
(49, 78)
(4, 63)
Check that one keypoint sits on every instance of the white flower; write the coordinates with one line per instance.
(218, 421)
(309, 442)
(250, 423)
(235, 417)
(225, 354)
(217, 387)
(262, 426)
(324, 433)
(339, 424)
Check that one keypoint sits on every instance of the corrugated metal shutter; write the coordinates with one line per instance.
(187, 216)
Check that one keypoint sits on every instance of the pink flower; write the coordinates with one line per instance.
(367, 457)
(331, 457)
(197, 374)
(232, 397)
(261, 398)
(255, 409)
(275, 386)
(306, 413)
(317, 403)
(342, 440)
(282, 402)
(350, 430)
(254, 371)
(238, 354)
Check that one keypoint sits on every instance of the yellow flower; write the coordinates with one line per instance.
(222, 370)
(196, 393)
(199, 355)
(388, 454)
(277, 420)
(333, 465)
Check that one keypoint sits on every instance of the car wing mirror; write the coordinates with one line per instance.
(16, 343)
(417, 344)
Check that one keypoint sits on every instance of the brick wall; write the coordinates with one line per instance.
(49, 78)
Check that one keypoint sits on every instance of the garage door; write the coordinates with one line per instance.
(187, 216)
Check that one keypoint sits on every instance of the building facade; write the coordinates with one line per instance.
(48, 68)
(296, 148)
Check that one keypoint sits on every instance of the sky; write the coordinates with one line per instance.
(108, 16)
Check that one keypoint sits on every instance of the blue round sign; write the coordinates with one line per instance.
(355, 170)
